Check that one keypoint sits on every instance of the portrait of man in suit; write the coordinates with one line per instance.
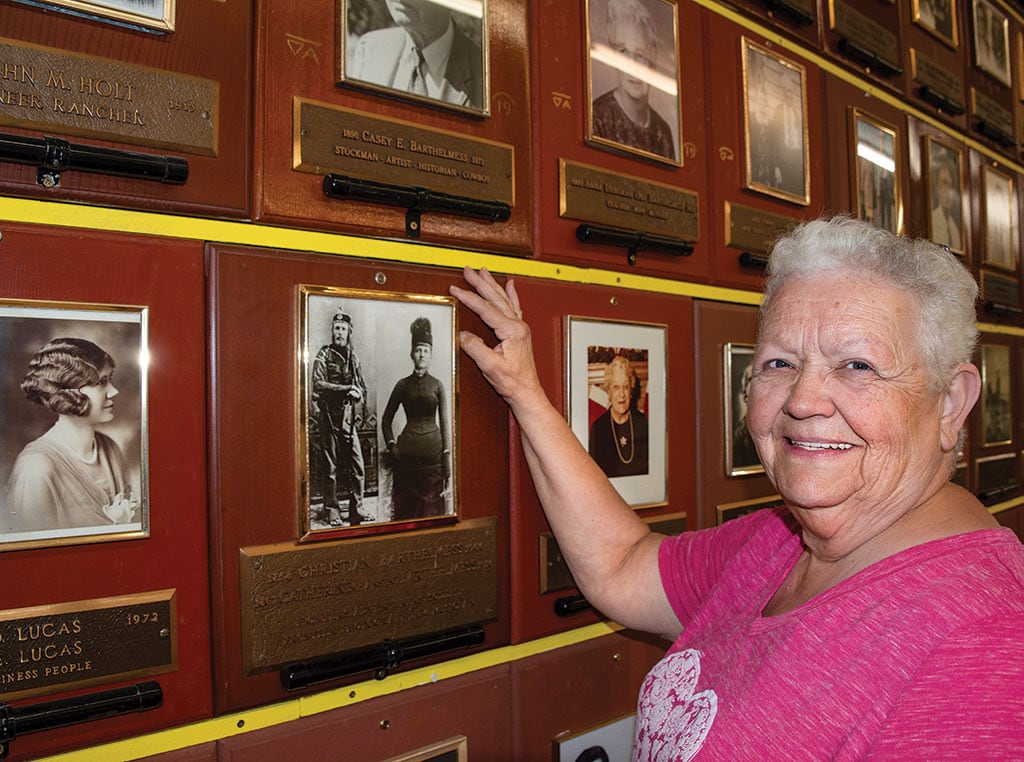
(422, 48)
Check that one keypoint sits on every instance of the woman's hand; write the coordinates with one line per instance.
(509, 366)
(122, 509)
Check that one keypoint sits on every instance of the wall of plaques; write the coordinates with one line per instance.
(254, 212)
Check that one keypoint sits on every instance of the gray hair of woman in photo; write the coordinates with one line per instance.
(631, 13)
(59, 369)
(943, 288)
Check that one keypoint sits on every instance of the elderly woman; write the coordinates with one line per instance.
(73, 475)
(879, 614)
(618, 438)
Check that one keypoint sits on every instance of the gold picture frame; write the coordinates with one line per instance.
(66, 367)
(876, 161)
(997, 385)
(775, 126)
(633, 80)
(741, 458)
(632, 357)
(728, 511)
(999, 220)
(991, 35)
(362, 465)
(127, 13)
(944, 182)
(939, 19)
(455, 749)
(377, 52)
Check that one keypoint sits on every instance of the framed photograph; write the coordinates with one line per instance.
(938, 17)
(452, 750)
(377, 381)
(633, 84)
(741, 458)
(998, 219)
(616, 387)
(728, 511)
(73, 458)
(608, 742)
(992, 41)
(432, 51)
(148, 15)
(775, 124)
(876, 176)
(944, 183)
(996, 395)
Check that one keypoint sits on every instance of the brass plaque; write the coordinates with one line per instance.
(329, 139)
(46, 649)
(608, 198)
(992, 112)
(752, 229)
(866, 33)
(303, 602)
(995, 472)
(938, 78)
(554, 572)
(53, 90)
(999, 289)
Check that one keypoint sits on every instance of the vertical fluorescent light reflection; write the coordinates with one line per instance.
(876, 157)
(615, 59)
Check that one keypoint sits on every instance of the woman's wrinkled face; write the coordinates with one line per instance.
(840, 404)
(101, 398)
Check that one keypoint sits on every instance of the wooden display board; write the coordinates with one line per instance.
(937, 35)
(70, 598)
(866, 36)
(182, 93)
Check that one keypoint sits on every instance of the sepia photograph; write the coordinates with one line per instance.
(944, 182)
(876, 172)
(633, 78)
(998, 219)
(73, 458)
(992, 41)
(996, 395)
(151, 15)
(939, 18)
(377, 401)
(432, 51)
(775, 124)
(616, 390)
(741, 458)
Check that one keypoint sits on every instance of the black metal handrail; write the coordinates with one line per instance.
(635, 241)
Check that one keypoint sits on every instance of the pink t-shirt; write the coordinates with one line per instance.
(918, 657)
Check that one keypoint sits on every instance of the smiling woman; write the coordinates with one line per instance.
(877, 614)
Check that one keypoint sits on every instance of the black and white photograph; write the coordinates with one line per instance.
(999, 219)
(609, 742)
(617, 403)
(74, 441)
(945, 194)
(741, 458)
(633, 78)
(729, 511)
(775, 124)
(432, 51)
(378, 382)
(152, 15)
(996, 395)
(938, 17)
(992, 41)
(876, 172)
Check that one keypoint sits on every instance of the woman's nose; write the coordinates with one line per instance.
(112, 391)
(809, 396)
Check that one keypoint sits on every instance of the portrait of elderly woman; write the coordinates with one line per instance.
(634, 77)
(74, 477)
(618, 437)
(878, 612)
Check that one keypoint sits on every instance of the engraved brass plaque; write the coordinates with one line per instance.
(999, 289)
(593, 195)
(330, 139)
(554, 571)
(864, 32)
(302, 602)
(753, 229)
(48, 89)
(46, 649)
(991, 111)
(938, 78)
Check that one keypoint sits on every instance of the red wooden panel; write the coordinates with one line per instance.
(938, 45)
(298, 50)
(254, 314)
(212, 41)
(546, 305)
(560, 102)
(167, 276)
(856, 31)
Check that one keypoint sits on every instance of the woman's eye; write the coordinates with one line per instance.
(858, 365)
(777, 364)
